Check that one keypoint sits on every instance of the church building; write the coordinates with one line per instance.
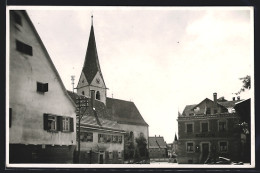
(91, 80)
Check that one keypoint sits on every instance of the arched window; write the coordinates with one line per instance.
(83, 93)
(98, 95)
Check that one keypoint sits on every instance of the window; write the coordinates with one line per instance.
(190, 147)
(208, 111)
(83, 93)
(115, 139)
(110, 155)
(120, 139)
(109, 138)
(222, 146)
(57, 123)
(189, 128)
(66, 124)
(191, 114)
(42, 87)
(24, 48)
(100, 138)
(98, 95)
(86, 137)
(52, 122)
(204, 127)
(17, 19)
(222, 126)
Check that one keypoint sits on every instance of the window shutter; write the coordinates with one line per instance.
(71, 125)
(45, 87)
(45, 122)
(10, 117)
(59, 123)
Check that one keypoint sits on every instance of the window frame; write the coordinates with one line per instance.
(223, 121)
(53, 120)
(58, 123)
(193, 146)
(42, 87)
(186, 127)
(66, 123)
(201, 130)
(223, 151)
(24, 48)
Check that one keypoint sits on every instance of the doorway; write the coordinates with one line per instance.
(204, 152)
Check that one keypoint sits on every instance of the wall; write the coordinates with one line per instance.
(84, 86)
(28, 105)
(213, 137)
(95, 147)
(136, 129)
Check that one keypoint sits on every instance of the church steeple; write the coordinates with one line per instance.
(91, 76)
(91, 64)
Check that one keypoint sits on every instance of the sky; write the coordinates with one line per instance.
(161, 58)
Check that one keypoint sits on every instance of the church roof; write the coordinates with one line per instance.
(157, 142)
(91, 64)
(125, 112)
(100, 117)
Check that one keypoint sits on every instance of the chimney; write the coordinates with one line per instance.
(215, 97)
(238, 97)
(92, 98)
(234, 98)
(155, 135)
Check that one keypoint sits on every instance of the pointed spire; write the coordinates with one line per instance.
(91, 64)
(92, 20)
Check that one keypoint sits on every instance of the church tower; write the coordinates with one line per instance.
(91, 79)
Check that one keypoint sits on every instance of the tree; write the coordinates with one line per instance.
(246, 84)
(129, 147)
(141, 146)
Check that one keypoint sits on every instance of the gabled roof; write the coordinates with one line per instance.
(46, 53)
(100, 117)
(157, 142)
(91, 64)
(222, 103)
(125, 112)
(188, 109)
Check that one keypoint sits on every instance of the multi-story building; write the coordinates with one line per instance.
(42, 116)
(208, 129)
(101, 138)
(157, 148)
(91, 80)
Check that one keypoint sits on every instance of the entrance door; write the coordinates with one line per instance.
(205, 152)
(101, 161)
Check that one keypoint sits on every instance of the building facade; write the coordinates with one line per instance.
(208, 130)
(101, 138)
(39, 130)
(157, 148)
(91, 81)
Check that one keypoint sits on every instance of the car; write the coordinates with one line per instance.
(219, 160)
